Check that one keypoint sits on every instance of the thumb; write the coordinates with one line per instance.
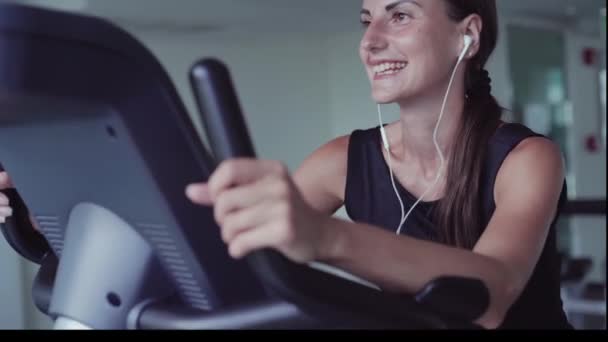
(199, 194)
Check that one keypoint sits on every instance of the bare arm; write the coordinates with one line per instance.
(321, 179)
(526, 193)
(258, 206)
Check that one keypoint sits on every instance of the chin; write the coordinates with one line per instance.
(385, 97)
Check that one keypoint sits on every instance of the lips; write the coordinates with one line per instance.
(387, 68)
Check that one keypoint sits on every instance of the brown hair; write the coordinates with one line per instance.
(459, 213)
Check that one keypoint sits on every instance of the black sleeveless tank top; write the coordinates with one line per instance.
(370, 198)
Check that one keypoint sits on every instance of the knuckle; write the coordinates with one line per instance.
(227, 229)
(286, 212)
(287, 237)
(228, 169)
(217, 217)
(284, 233)
(228, 223)
(218, 210)
(225, 172)
(224, 202)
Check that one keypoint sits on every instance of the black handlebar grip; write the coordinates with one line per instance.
(19, 232)
(228, 136)
(220, 110)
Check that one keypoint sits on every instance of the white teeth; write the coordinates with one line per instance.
(386, 67)
(388, 72)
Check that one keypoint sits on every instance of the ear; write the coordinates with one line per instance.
(472, 26)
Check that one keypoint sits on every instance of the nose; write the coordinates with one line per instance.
(373, 40)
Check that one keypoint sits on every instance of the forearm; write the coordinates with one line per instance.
(403, 264)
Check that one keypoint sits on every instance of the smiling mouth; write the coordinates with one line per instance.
(387, 69)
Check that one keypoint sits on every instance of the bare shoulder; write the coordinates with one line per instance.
(536, 165)
(527, 191)
(322, 175)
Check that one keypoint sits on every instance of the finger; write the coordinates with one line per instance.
(250, 218)
(267, 189)
(199, 194)
(240, 172)
(6, 211)
(5, 181)
(252, 240)
(4, 200)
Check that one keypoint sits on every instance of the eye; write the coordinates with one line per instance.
(400, 16)
(365, 22)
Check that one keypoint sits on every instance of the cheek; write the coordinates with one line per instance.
(443, 46)
(429, 57)
(420, 45)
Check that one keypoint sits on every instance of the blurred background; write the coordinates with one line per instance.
(298, 74)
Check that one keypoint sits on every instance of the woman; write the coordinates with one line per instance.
(488, 192)
(492, 190)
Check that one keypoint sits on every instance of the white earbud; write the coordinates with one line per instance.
(468, 40)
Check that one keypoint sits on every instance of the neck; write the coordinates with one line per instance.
(418, 120)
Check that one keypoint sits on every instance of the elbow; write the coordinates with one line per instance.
(492, 320)
(503, 295)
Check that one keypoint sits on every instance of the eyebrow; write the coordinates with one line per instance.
(391, 6)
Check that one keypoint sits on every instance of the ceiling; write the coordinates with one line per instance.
(284, 15)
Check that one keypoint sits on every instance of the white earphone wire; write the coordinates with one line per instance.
(437, 147)
(390, 166)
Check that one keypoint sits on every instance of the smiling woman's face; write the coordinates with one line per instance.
(408, 48)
